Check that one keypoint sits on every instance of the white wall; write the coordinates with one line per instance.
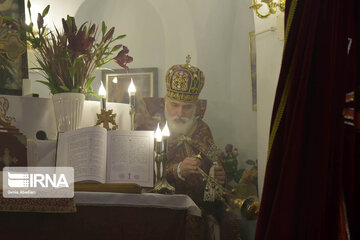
(244, 120)
(268, 61)
(160, 33)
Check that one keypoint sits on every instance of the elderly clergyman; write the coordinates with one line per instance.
(190, 136)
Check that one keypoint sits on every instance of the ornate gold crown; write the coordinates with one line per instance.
(184, 82)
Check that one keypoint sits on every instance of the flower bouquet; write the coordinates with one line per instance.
(67, 60)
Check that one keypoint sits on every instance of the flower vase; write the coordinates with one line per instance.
(68, 108)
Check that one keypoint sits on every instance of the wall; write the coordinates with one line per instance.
(268, 61)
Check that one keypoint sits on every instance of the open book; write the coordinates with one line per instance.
(118, 156)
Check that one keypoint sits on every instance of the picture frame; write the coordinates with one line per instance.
(252, 55)
(13, 71)
(145, 81)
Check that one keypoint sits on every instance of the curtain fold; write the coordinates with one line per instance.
(312, 151)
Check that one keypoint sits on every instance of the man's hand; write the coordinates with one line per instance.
(220, 175)
(189, 166)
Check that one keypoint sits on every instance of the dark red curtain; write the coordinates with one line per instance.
(313, 150)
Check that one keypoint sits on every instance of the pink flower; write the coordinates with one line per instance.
(40, 21)
(79, 43)
(109, 34)
(122, 58)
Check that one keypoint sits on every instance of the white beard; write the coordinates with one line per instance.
(179, 125)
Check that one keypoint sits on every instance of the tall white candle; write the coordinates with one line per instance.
(102, 94)
(165, 135)
(158, 135)
(132, 91)
(158, 138)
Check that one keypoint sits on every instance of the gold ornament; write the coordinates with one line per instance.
(6, 121)
(106, 117)
(11, 44)
(184, 82)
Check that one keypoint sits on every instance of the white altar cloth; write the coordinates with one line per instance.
(176, 201)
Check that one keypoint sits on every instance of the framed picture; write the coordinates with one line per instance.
(13, 57)
(252, 51)
(117, 82)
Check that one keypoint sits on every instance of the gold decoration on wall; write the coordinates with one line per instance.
(5, 121)
(11, 44)
(271, 5)
(105, 118)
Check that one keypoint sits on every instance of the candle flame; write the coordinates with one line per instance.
(132, 88)
(165, 132)
(158, 135)
(102, 91)
(115, 80)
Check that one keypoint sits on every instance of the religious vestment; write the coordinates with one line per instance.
(199, 140)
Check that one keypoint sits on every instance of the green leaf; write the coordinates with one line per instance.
(45, 11)
(49, 85)
(116, 47)
(28, 4)
(69, 22)
(72, 72)
(76, 89)
(104, 68)
(66, 89)
(45, 83)
(89, 82)
(95, 94)
(28, 7)
(10, 19)
(103, 28)
(120, 37)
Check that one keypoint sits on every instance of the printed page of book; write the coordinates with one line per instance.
(85, 150)
(130, 157)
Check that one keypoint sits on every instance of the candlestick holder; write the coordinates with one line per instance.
(132, 117)
(132, 99)
(163, 186)
(103, 103)
(158, 162)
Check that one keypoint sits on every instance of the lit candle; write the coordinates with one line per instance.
(158, 138)
(165, 135)
(115, 80)
(132, 91)
(102, 93)
(158, 150)
(158, 134)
